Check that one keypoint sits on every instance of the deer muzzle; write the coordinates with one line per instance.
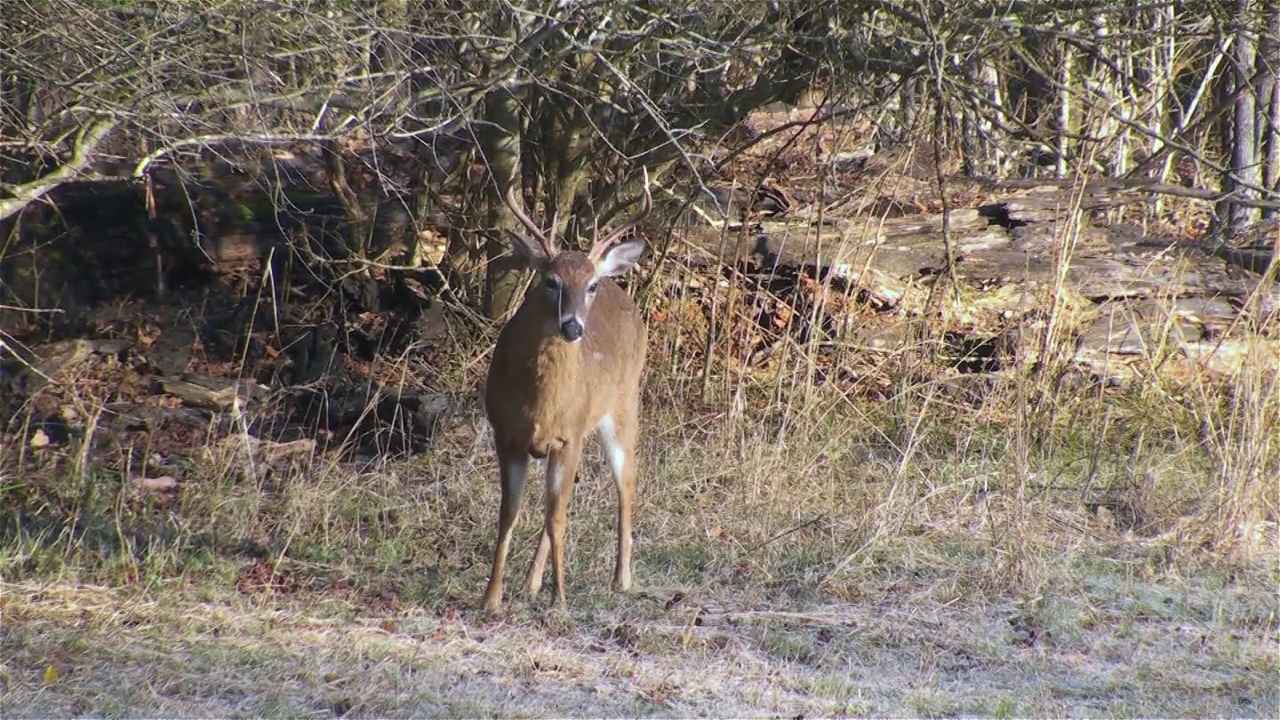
(572, 329)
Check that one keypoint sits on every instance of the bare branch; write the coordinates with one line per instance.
(86, 142)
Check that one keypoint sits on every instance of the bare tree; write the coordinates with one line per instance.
(1245, 174)
(1269, 95)
(410, 113)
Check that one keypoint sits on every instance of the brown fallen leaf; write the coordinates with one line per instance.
(164, 483)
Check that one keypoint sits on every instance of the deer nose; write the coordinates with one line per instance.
(571, 329)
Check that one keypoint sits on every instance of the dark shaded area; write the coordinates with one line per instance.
(224, 289)
(999, 214)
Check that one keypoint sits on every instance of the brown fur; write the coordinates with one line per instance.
(541, 396)
(545, 394)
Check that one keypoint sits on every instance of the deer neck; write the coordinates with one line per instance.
(547, 372)
(554, 391)
(557, 363)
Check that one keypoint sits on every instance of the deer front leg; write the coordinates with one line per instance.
(562, 469)
(514, 467)
(537, 568)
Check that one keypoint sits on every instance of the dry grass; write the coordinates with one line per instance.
(1115, 645)
(921, 556)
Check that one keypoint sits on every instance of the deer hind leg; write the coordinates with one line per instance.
(537, 568)
(619, 438)
(514, 468)
(562, 469)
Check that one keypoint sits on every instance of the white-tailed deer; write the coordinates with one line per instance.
(568, 362)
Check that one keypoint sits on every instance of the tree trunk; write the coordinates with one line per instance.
(1245, 160)
(1066, 79)
(1269, 66)
(500, 140)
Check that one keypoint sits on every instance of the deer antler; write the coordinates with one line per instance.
(512, 198)
(645, 207)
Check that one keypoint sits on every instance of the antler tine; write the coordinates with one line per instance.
(645, 207)
(512, 198)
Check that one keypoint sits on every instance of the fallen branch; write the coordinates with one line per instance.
(25, 194)
(1148, 186)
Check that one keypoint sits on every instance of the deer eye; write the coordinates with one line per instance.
(593, 286)
(553, 283)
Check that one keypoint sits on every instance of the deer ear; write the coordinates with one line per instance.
(528, 253)
(620, 258)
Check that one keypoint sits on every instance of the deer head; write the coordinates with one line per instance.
(568, 281)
